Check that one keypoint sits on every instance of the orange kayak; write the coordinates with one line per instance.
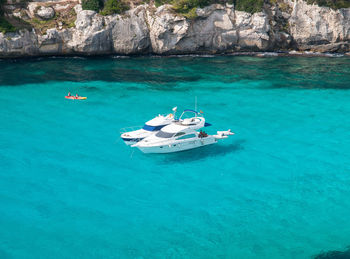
(76, 98)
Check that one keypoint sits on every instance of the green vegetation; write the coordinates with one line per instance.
(250, 6)
(5, 26)
(93, 5)
(1, 3)
(283, 6)
(65, 19)
(160, 2)
(40, 22)
(108, 8)
(71, 24)
(114, 7)
(191, 14)
(184, 6)
(334, 4)
(188, 7)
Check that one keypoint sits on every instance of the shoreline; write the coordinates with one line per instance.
(203, 55)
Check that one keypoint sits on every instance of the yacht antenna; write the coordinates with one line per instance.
(174, 110)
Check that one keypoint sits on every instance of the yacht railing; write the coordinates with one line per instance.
(131, 128)
(175, 138)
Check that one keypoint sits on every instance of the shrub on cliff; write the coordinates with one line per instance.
(191, 14)
(334, 4)
(5, 26)
(93, 5)
(161, 2)
(188, 7)
(2, 2)
(114, 7)
(183, 6)
(250, 6)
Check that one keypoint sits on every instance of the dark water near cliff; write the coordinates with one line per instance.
(279, 188)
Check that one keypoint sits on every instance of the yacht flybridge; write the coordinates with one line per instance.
(179, 135)
(151, 127)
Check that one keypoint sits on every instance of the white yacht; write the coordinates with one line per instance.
(190, 118)
(179, 136)
(151, 127)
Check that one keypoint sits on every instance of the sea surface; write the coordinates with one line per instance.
(278, 188)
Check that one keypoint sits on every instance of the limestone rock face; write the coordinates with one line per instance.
(50, 43)
(130, 34)
(319, 28)
(121, 34)
(253, 30)
(19, 44)
(166, 29)
(214, 31)
(90, 35)
(45, 13)
(217, 28)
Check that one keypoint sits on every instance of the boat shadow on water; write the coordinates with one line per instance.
(201, 153)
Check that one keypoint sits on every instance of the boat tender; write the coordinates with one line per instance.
(76, 98)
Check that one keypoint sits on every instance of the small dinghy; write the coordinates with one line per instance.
(75, 97)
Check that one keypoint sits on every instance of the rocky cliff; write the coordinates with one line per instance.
(146, 29)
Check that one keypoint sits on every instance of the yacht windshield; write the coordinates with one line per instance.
(162, 134)
(152, 128)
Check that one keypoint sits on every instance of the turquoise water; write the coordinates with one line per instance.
(70, 188)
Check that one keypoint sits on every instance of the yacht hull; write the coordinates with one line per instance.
(129, 141)
(177, 147)
(131, 138)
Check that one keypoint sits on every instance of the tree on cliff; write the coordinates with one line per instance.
(334, 4)
(109, 7)
(5, 26)
(94, 5)
(114, 7)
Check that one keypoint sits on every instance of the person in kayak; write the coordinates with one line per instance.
(76, 95)
(68, 94)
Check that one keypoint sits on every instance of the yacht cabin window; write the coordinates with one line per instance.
(179, 134)
(187, 136)
(162, 134)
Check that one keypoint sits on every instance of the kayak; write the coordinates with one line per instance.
(76, 98)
